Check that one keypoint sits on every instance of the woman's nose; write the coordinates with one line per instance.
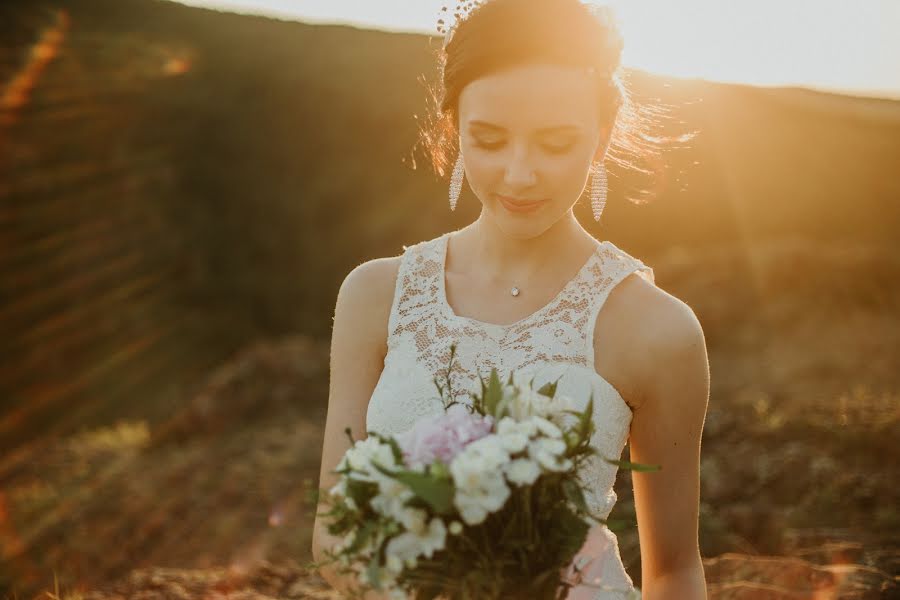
(519, 172)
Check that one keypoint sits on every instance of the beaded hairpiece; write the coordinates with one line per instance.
(604, 15)
(462, 10)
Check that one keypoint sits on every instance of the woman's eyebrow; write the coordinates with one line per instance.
(542, 130)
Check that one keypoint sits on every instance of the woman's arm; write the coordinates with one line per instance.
(666, 430)
(358, 348)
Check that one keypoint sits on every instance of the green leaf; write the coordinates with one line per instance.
(361, 491)
(494, 393)
(633, 465)
(373, 571)
(313, 496)
(549, 388)
(362, 536)
(395, 448)
(478, 399)
(440, 469)
(589, 409)
(585, 425)
(568, 533)
(575, 494)
(438, 493)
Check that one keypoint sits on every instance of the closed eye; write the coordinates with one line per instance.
(548, 147)
(559, 149)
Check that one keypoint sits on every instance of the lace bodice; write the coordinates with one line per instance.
(554, 342)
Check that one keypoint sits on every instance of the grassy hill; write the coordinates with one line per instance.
(178, 184)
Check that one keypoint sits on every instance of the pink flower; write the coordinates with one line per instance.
(442, 436)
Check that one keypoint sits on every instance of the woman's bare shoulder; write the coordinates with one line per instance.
(377, 275)
(661, 319)
(366, 295)
(638, 318)
(659, 324)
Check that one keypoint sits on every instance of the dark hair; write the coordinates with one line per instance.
(498, 34)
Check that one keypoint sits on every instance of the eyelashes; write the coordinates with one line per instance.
(549, 148)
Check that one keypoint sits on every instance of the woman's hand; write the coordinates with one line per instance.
(596, 564)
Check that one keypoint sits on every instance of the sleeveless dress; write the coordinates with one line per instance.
(554, 342)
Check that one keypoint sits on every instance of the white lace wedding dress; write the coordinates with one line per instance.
(555, 342)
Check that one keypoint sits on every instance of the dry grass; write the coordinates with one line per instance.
(799, 455)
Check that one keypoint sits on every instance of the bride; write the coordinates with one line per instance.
(531, 94)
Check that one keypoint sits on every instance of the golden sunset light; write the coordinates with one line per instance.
(828, 45)
(591, 298)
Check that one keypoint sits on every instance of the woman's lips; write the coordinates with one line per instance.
(520, 206)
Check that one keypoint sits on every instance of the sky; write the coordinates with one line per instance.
(834, 45)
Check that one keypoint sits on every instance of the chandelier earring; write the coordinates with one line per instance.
(456, 180)
(598, 190)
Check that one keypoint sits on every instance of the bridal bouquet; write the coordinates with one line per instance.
(480, 502)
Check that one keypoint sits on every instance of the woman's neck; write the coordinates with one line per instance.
(506, 260)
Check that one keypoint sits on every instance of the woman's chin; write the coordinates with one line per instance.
(522, 229)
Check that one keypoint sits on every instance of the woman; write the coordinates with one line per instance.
(531, 93)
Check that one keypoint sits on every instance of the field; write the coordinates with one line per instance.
(182, 193)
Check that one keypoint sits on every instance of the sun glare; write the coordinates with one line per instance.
(825, 44)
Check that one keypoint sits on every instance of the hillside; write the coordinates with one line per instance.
(797, 498)
(183, 191)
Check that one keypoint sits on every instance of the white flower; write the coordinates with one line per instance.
(509, 425)
(409, 545)
(558, 416)
(546, 427)
(455, 527)
(485, 492)
(477, 475)
(547, 452)
(414, 519)
(475, 507)
(345, 542)
(339, 489)
(520, 401)
(394, 564)
(385, 578)
(435, 538)
(392, 497)
(488, 450)
(367, 547)
(403, 546)
(361, 456)
(342, 463)
(397, 594)
(522, 471)
(513, 435)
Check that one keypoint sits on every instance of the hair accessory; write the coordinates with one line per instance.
(456, 180)
(603, 14)
(598, 190)
(462, 10)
